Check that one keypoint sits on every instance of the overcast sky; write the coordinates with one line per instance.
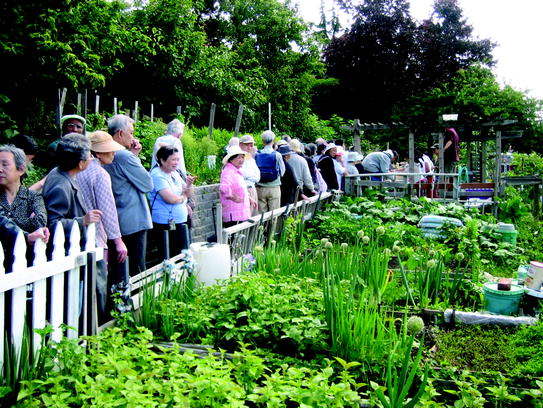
(516, 25)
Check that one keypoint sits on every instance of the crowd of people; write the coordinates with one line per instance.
(98, 178)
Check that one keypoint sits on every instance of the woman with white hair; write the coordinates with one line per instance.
(17, 203)
(174, 132)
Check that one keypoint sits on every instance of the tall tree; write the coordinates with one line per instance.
(445, 44)
(372, 60)
(268, 37)
(384, 57)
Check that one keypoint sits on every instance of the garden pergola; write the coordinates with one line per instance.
(470, 132)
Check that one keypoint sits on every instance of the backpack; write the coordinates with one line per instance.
(267, 164)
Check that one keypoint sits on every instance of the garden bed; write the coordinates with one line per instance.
(326, 319)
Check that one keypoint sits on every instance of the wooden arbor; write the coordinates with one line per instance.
(470, 133)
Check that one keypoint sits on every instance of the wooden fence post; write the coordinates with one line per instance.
(114, 106)
(411, 155)
(97, 104)
(136, 111)
(238, 120)
(152, 112)
(84, 104)
(60, 105)
(211, 119)
(78, 110)
(498, 169)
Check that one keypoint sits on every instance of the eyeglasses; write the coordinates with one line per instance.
(74, 126)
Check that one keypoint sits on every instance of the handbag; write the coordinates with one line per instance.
(320, 181)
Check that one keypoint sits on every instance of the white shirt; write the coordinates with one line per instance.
(251, 172)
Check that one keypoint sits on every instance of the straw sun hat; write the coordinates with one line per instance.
(234, 151)
(102, 142)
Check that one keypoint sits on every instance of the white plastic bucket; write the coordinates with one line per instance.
(534, 280)
(211, 262)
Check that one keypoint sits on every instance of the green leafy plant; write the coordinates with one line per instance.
(399, 381)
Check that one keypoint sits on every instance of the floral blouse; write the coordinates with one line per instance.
(27, 210)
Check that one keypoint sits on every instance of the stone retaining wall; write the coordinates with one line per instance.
(203, 223)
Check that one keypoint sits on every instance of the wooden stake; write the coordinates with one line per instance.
(238, 120)
(211, 119)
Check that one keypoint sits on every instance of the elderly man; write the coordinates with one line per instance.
(271, 166)
(130, 182)
(250, 171)
(300, 168)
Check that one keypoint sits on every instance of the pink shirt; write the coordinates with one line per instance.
(232, 182)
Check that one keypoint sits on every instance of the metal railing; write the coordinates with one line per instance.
(445, 186)
(270, 225)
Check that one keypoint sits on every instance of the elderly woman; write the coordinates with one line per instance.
(24, 207)
(327, 166)
(95, 184)
(61, 192)
(235, 199)
(169, 202)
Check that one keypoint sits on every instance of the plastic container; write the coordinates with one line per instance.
(505, 302)
(431, 225)
(211, 262)
(508, 233)
(522, 273)
(534, 278)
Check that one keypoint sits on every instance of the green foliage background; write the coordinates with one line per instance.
(192, 53)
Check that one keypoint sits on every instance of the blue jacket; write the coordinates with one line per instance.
(130, 182)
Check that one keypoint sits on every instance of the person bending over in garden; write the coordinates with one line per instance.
(235, 199)
(379, 162)
(95, 185)
(272, 168)
(169, 203)
(250, 170)
(130, 182)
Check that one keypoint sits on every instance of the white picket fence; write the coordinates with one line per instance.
(58, 292)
